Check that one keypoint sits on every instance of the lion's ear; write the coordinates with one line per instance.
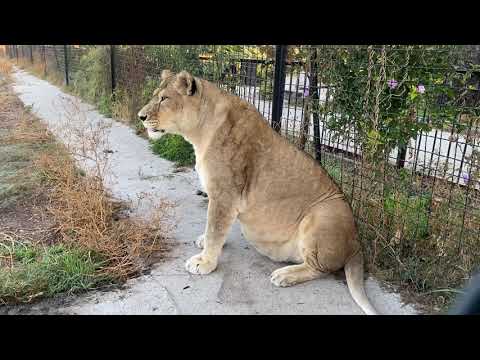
(166, 74)
(185, 83)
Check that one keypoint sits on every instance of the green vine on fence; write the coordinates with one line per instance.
(379, 93)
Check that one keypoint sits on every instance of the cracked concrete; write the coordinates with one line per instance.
(240, 285)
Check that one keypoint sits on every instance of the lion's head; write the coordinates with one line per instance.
(174, 106)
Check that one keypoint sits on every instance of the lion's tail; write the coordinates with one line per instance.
(354, 275)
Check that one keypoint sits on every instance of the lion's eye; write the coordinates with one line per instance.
(163, 98)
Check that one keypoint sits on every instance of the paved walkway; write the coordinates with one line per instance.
(241, 283)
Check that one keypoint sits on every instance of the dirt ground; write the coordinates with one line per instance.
(24, 211)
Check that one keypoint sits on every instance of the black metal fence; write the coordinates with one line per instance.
(395, 126)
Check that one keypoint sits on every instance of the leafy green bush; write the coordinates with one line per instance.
(174, 148)
(105, 105)
(176, 57)
(91, 80)
(382, 92)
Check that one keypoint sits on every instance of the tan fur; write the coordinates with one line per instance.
(287, 205)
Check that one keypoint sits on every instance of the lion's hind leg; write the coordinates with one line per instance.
(325, 239)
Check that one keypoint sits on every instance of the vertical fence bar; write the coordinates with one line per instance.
(44, 59)
(31, 53)
(112, 68)
(401, 156)
(16, 52)
(313, 91)
(279, 86)
(65, 48)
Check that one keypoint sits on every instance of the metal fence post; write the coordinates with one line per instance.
(31, 53)
(278, 86)
(65, 48)
(112, 68)
(313, 91)
(401, 156)
(44, 59)
(16, 52)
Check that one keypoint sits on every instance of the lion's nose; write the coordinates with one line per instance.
(142, 117)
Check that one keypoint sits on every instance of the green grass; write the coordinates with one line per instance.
(46, 271)
(104, 105)
(412, 211)
(174, 148)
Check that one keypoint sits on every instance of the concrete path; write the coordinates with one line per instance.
(241, 283)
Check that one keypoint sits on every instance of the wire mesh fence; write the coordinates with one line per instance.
(395, 126)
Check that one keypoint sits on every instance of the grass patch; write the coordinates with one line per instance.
(174, 148)
(43, 271)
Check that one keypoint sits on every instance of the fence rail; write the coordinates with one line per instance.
(395, 126)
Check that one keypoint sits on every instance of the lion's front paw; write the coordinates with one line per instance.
(198, 264)
(283, 278)
(200, 241)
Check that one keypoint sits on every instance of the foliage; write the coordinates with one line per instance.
(175, 58)
(174, 148)
(382, 92)
(172, 57)
(91, 79)
(409, 212)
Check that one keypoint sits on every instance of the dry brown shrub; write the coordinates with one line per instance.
(85, 213)
(5, 67)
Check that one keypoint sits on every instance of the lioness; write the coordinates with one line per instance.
(287, 205)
